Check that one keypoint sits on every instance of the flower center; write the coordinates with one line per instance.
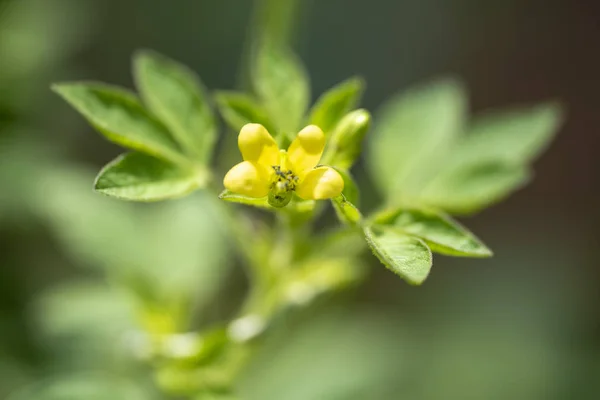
(283, 183)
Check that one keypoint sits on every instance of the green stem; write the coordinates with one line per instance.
(274, 21)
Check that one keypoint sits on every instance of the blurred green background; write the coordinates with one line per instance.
(523, 325)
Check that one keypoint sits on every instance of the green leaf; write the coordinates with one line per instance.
(177, 97)
(491, 161)
(515, 136)
(231, 197)
(64, 310)
(441, 233)
(470, 188)
(414, 130)
(346, 211)
(407, 256)
(296, 205)
(283, 87)
(139, 177)
(84, 321)
(119, 116)
(239, 109)
(177, 249)
(331, 107)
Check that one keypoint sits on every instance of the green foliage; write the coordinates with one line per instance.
(175, 95)
(419, 139)
(171, 251)
(24, 78)
(334, 104)
(407, 256)
(65, 311)
(174, 137)
(492, 159)
(427, 160)
(470, 188)
(138, 177)
(282, 86)
(441, 233)
(414, 131)
(515, 136)
(121, 118)
(86, 322)
(422, 161)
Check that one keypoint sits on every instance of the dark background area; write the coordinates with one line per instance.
(528, 319)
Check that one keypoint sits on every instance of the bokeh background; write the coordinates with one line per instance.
(523, 325)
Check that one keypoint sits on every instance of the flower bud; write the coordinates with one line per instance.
(345, 144)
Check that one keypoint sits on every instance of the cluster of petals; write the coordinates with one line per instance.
(265, 164)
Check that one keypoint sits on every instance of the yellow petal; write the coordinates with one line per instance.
(320, 183)
(248, 178)
(305, 151)
(257, 145)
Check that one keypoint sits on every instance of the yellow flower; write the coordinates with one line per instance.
(268, 171)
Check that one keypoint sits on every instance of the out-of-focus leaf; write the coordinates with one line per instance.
(177, 247)
(176, 96)
(121, 118)
(441, 233)
(24, 22)
(470, 188)
(283, 87)
(83, 308)
(239, 109)
(346, 343)
(86, 324)
(14, 374)
(193, 246)
(407, 256)
(20, 155)
(514, 136)
(491, 161)
(412, 133)
(331, 107)
(139, 177)
(83, 386)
